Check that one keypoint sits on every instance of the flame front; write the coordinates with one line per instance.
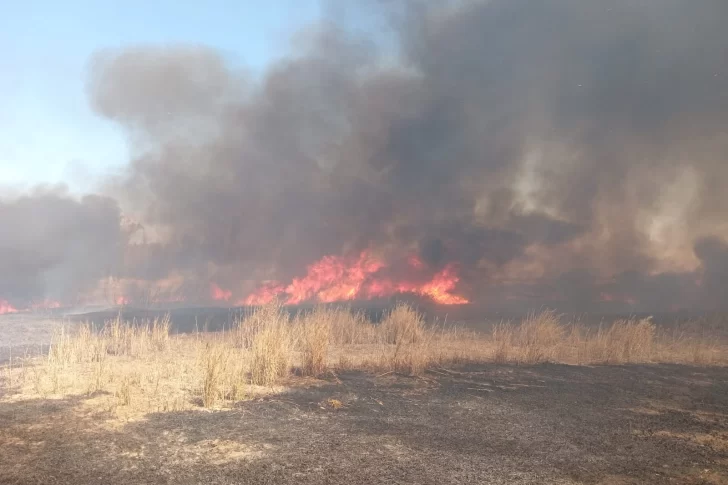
(218, 294)
(334, 278)
(264, 294)
(330, 279)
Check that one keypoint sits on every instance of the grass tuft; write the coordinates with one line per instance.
(314, 329)
(271, 345)
(214, 363)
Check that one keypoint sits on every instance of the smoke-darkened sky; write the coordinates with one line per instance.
(563, 153)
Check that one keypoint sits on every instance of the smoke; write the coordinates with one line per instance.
(56, 246)
(559, 152)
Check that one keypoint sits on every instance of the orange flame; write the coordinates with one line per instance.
(332, 279)
(121, 300)
(439, 289)
(6, 307)
(337, 279)
(218, 294)
(264, 294)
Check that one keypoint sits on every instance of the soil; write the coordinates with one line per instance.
(492, 424)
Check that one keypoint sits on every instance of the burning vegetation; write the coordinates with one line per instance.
(335, 279)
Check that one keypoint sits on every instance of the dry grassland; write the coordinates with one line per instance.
(140, 367)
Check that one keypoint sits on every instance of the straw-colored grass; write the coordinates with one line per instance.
(214, 362)
(539, 337)
(271, 345)
(139, 367)
(348, 328)
(117, 337)
(622, 342)
(502, 338)
(402, 325)
(314, 330)
(406, 345)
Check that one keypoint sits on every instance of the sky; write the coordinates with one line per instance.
(48, 132)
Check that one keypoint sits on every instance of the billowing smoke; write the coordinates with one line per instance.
(561, 152)
(56, 247)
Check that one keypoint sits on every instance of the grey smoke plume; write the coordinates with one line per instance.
(56, 246)
(562, 152)
(570, 147)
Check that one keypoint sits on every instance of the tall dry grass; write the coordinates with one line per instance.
(538, 338)
(116, 337)
(348, 327)
(407, 346)
(502, 339)
(271, 344)
(544, 337)
(624, 341)
(314, 331)
(141, 366)
(402, 325)
(222, 370)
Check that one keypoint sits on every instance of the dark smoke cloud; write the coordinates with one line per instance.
(562, 152)
(592, 109)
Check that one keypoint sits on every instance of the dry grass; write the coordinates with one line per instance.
(140, 367)
(502, 338)
(348, 328)
(214, 362)
(538, 337)
(224, 372)
(622, 342)
(271, 345)
(402, 325)
(406, 345)
(544, 337)
(117, 337)
(315, 329)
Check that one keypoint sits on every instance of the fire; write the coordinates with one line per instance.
(264, 294)
(439, 289)
(6, 307)
(334, 278)
(218, 294)
(121, 300)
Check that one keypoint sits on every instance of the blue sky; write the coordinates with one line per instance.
(48, 132)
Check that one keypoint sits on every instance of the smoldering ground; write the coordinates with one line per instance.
(560, 152)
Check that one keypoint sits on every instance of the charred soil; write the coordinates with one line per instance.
(467, 424)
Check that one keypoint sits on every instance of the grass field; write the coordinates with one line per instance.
(123, 374)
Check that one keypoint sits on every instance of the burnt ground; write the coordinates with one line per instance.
(487, 424)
